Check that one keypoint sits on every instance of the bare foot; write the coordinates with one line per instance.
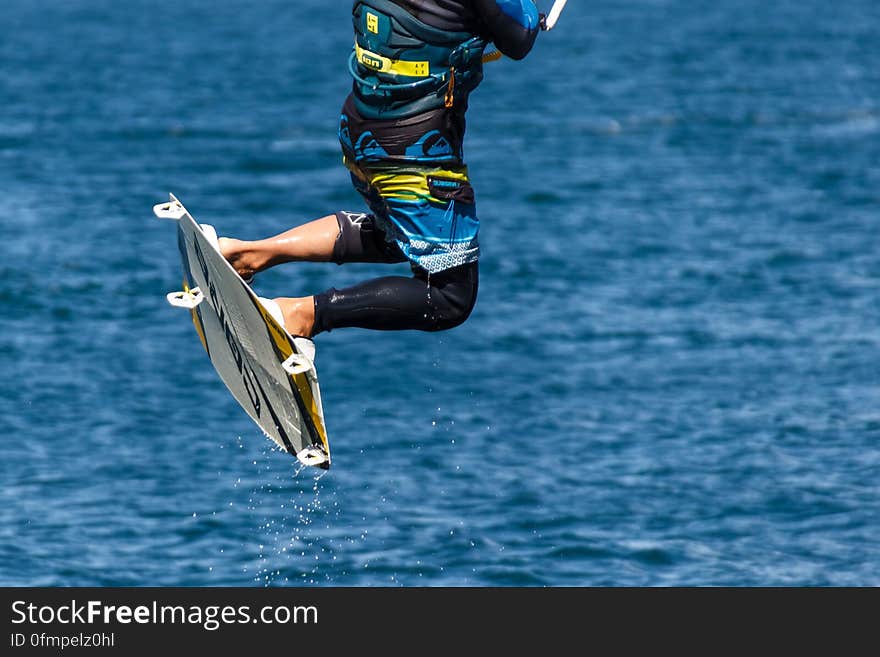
(299, 315)
(238, 253)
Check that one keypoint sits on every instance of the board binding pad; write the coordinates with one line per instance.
(263, 366)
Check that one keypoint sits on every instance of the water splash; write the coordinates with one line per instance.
(292, 522)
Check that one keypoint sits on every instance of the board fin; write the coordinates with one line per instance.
(188, 299)
(172, 210)
(313, 456)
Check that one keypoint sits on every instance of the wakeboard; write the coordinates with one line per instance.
(268, 371)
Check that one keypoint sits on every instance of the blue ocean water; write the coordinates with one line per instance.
(672, 375)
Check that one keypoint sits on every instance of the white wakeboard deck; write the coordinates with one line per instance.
(257, 359)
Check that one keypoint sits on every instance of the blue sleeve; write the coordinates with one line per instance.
(512, 25)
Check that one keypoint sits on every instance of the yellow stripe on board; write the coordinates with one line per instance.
(301, 381)
(196, 321)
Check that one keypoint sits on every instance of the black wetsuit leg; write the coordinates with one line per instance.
(394, 303)
(424, 302)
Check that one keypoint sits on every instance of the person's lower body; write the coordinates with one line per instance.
(422, 213)
(423, 302)
(426, 301)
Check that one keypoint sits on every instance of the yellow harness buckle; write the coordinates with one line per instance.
(382, 64)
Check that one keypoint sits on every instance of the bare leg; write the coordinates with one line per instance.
(299, 315)
(313, 242)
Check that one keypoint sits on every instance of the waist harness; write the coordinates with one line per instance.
(402, 66)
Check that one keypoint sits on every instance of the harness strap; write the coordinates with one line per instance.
(380, 64)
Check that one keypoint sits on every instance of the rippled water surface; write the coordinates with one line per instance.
(670, 378)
